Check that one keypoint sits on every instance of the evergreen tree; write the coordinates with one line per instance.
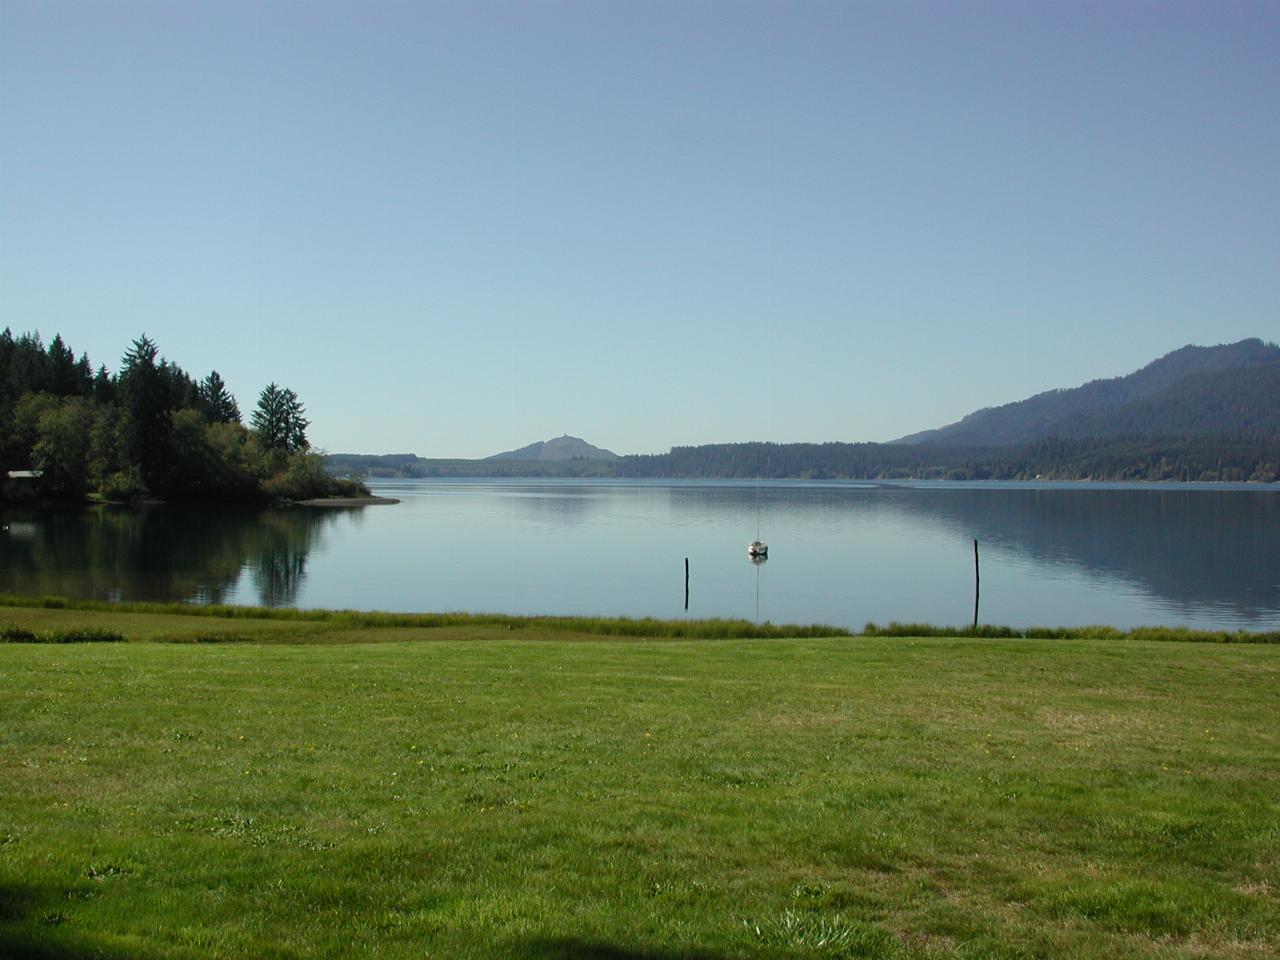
(63, 380)
(183, 391)
(147, 402)
(7, 397)
(84, 377)
(28, 366)
(6, 353)
(104, 388)
(215, 400)
(296, 423)
(279, 420)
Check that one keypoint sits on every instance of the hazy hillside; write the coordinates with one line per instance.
(561, 448)
(1230, 390)
(1239, 402)
(1199, 413)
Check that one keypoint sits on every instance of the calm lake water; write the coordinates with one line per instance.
(840, 553)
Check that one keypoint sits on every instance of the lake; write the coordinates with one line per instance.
(842, 553)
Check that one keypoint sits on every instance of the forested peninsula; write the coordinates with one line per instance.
(148, 431)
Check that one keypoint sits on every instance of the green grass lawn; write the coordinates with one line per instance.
(478, 791)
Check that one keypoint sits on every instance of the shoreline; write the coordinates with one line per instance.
(345, 502)
(648, 628)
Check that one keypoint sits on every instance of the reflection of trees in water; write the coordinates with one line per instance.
(1188, 547)
(158, 552)
(279, 563)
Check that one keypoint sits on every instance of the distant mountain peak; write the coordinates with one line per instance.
(563, 447)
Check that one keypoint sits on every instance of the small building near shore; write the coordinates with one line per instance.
(21, 484)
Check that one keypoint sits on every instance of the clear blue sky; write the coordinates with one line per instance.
(455, 228)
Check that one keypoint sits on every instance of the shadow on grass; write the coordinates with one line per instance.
(34, 924)
(25, 948)
(569, 948)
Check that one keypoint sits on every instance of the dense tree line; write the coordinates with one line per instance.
(1255, 457)
(411, 465)
(1252, 457)
(148, 430)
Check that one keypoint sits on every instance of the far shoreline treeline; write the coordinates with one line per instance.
(147, 432)
(1208, 414)
(1253, 458)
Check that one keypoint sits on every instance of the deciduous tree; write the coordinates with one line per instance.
(62, 450)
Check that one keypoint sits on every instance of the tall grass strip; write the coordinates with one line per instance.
(993, 632)
(16, 634)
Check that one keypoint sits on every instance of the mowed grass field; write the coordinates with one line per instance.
(477, 791)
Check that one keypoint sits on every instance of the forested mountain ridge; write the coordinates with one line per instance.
(1197, 414)
(1227, 390)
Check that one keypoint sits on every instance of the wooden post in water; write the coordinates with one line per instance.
(977, 583)
(686, 583)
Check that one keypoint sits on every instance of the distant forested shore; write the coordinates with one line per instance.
(1253, 458)
(1138, 458)
(69, 430)
(1209, 414)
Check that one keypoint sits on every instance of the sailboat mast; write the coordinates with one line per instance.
(757, 550)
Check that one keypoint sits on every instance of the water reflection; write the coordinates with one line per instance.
(160, 553)
(561, 506)
(757, 560)
(1191, 548)
(843, 553)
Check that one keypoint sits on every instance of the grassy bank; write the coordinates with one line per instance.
(184, 621)
(179, 621)
(354, 791)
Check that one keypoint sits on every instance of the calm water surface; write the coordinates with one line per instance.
(840, 553)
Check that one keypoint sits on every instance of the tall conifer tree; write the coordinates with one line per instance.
(279, 420)
(147, 403)
(216, 402)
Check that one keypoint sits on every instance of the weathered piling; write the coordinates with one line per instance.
(977, 582)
